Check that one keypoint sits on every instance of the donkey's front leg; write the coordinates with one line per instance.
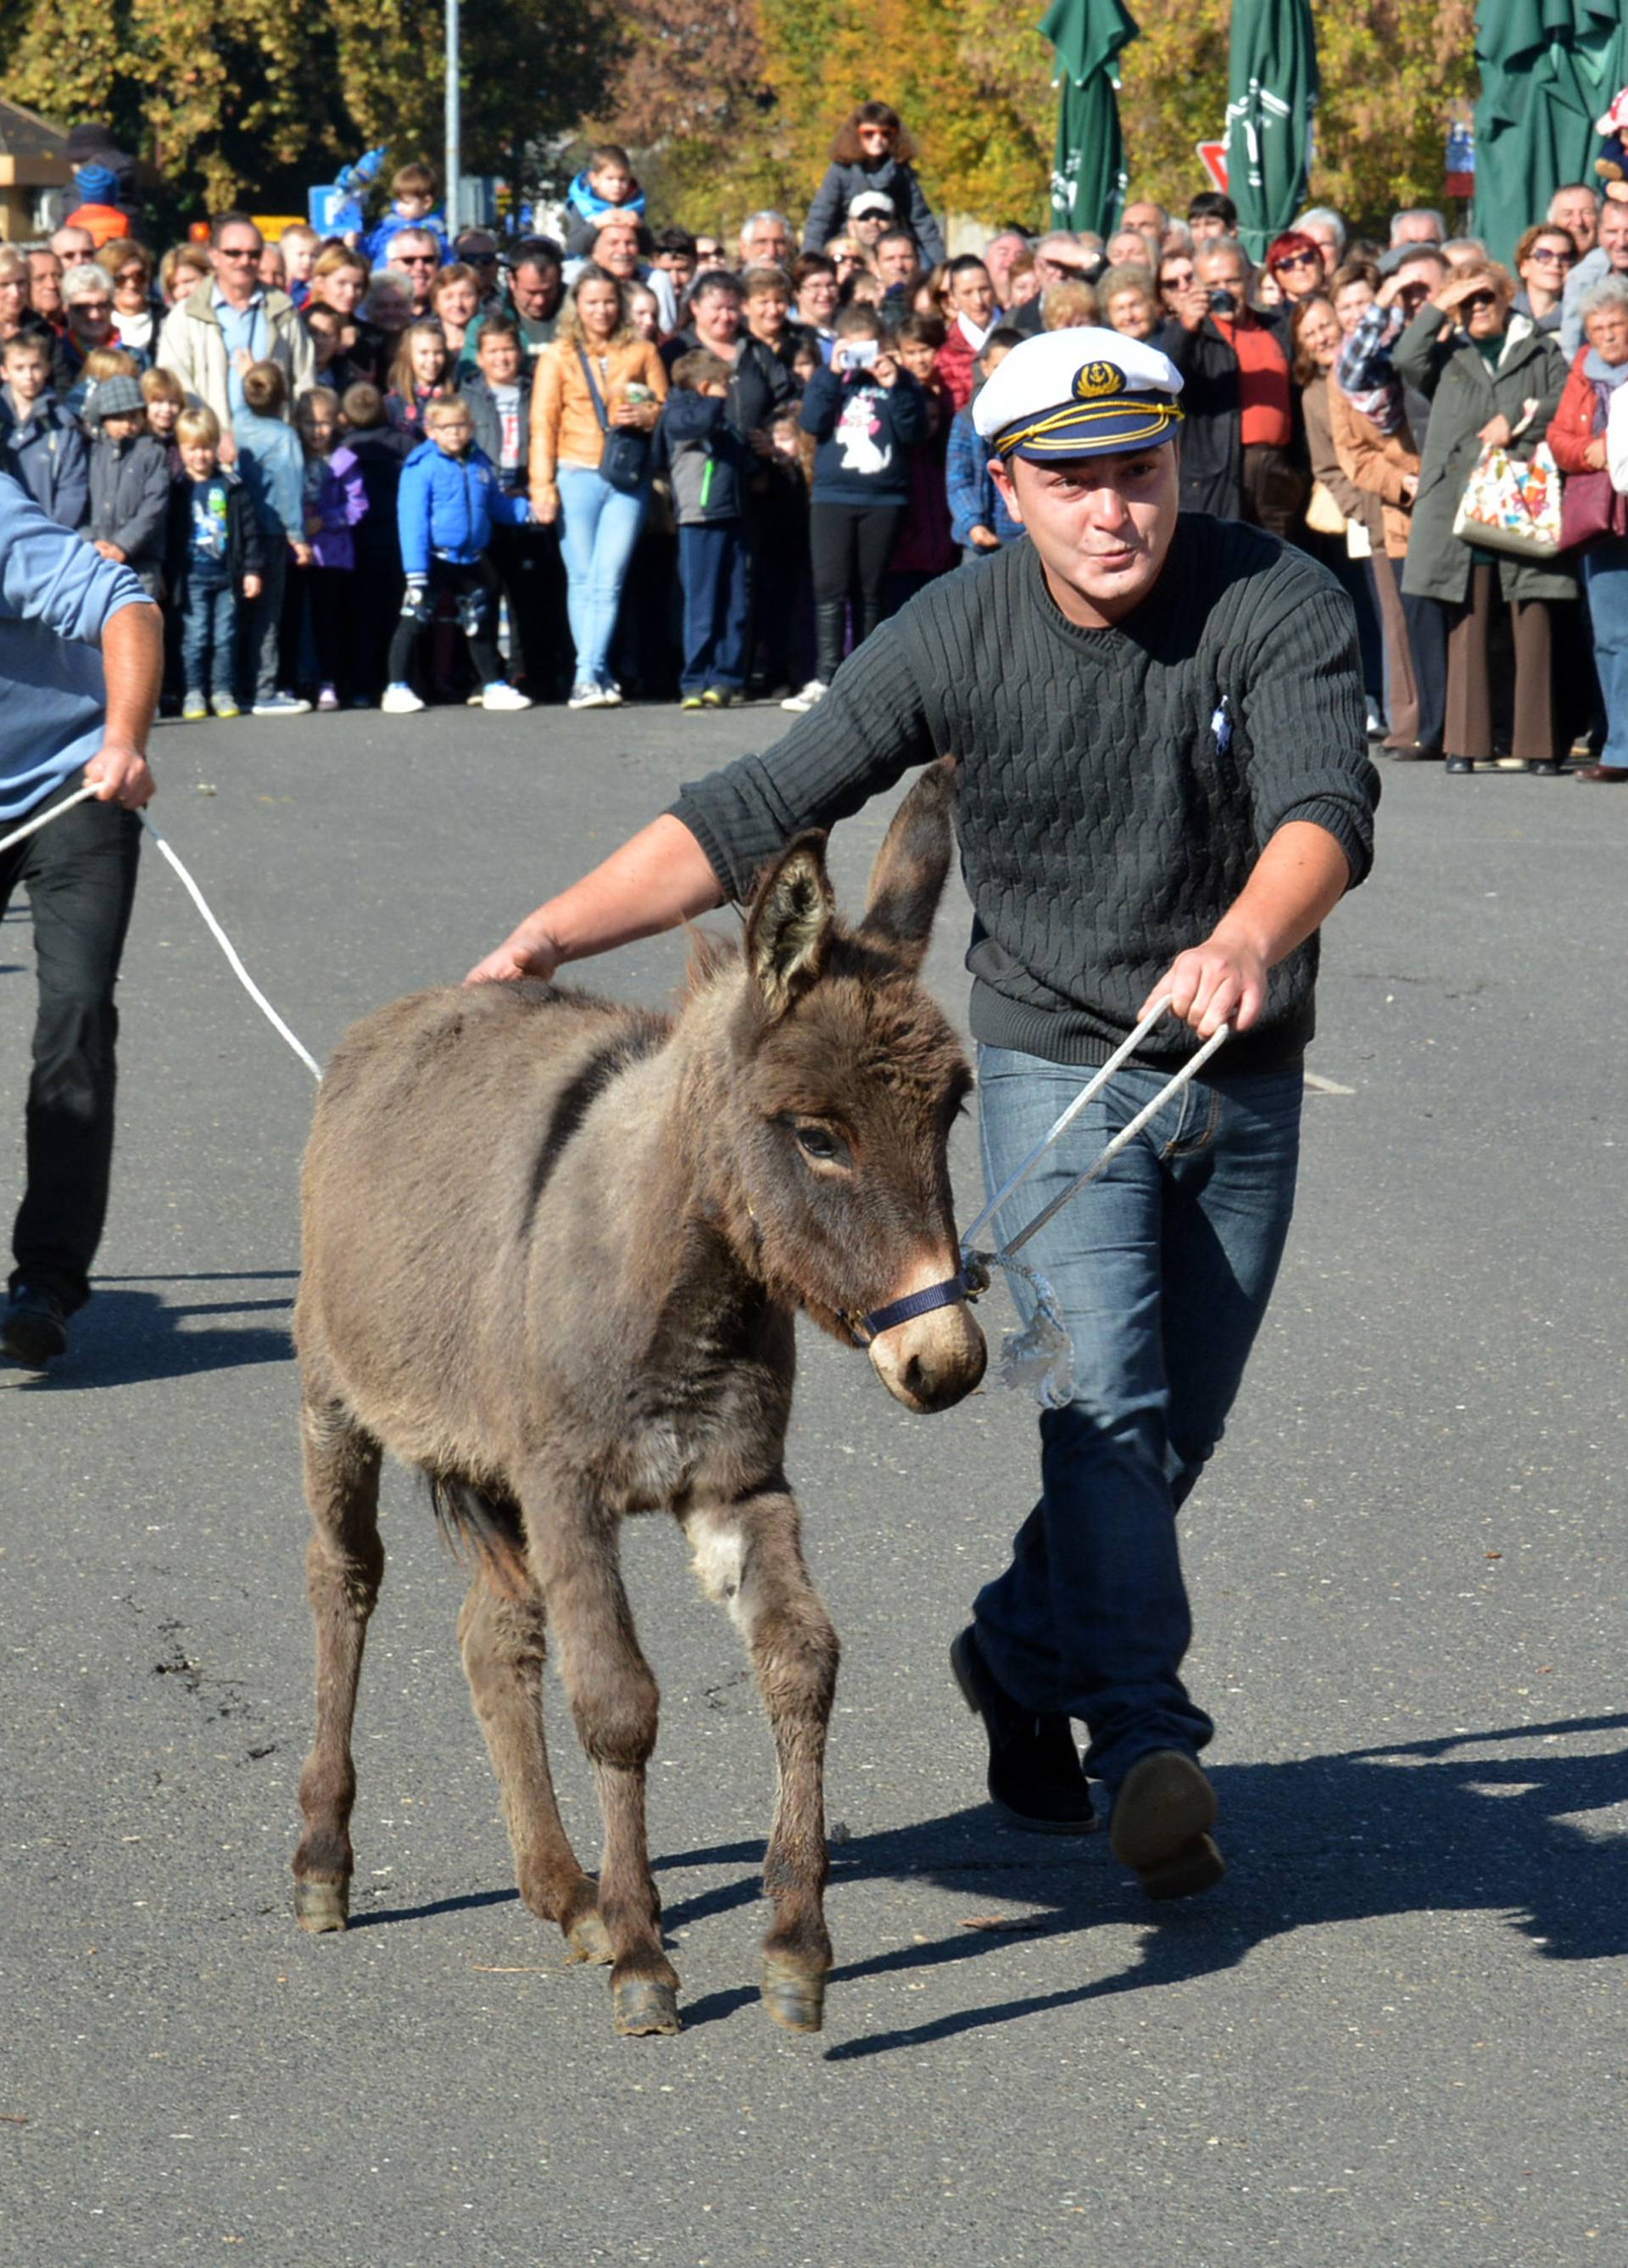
(749, 1556)
(573, 1548)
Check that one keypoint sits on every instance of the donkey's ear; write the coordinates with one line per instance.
(790, 926)
(908, 877)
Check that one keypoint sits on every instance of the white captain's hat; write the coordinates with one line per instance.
(1082, 392)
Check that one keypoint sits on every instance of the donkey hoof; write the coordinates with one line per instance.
(589, 1938)
(793, 1999)
(644, 2007)
(319, 1906)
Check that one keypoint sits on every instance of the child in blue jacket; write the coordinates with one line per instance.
(450, 498)
(979, 521)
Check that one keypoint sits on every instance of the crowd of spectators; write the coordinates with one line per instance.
(402, 469)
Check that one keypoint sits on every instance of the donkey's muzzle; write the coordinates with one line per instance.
(931, 1362)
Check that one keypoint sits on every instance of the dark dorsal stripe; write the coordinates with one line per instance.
(579, 1095)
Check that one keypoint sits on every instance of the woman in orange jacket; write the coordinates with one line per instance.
(598, 378)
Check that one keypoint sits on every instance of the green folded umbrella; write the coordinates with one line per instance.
(1549, 68)
(1272, 91)
(1088, 180)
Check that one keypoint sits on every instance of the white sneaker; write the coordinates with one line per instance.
(610, 694)
(812, 693)
(281, 705)
(400, 701)
(586, 695)
(500, 695)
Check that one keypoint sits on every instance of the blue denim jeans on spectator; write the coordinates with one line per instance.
(598, 527)
(1163, 1268)
(1605, 578)
(713, 568)
(208, 632)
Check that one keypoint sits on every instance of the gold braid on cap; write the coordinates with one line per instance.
(1059, 428)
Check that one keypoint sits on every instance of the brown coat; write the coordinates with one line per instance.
(565, 430)
(1378, 465)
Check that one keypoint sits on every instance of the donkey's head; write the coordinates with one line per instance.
(847, 1079)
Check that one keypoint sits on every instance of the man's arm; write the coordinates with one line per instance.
(1299, 879)
(659, 878)
(132, 643)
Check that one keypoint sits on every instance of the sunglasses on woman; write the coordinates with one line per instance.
(1478, 300)
(1296, 259)
(1546, 258)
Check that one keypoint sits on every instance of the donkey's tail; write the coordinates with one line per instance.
(485, 1531)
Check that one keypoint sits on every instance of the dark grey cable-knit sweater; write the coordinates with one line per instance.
(1115, 785)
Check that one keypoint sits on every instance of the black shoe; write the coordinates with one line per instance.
(35, 1328)
(1459, 764)
(1543, 769)
(1035, 1779)
(1161, 1825)
(1417, 752)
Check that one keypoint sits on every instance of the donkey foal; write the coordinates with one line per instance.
(553, 1250)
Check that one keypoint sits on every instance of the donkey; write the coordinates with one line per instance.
(553, 1248)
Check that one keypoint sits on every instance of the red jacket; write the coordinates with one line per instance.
(1577, 421)
(955, 365)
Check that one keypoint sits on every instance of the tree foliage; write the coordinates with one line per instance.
(254, 100)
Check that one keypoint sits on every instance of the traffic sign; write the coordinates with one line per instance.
(1212, 157)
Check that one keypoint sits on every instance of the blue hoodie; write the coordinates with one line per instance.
(56, 597)
(446, 507)
(377, 242)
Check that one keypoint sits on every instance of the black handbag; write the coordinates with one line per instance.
(624, 464)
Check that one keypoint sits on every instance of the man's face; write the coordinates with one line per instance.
(680, 266)
(45, 283)
(91, 319)
(1614, 235)
(870, 227)
(1057, 261)
(536, 290)
(417, 257)
(27, 375)
(1414, 228)
(1327, 243)
(1576, 211)
(72, 245)
(1222, 271)
(765, 244)
(1102, 525)
(499, 356)
(1146, 216)
(616, 250)
(717, 318)
(896, 260)
(236, 262)
(1416, 280)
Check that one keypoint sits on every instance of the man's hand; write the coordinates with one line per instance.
(1222, 981)
(983, 539)
(250, 587)
(109, 551)
(1497, 430)
(119, 774)
(1192, 304)
(529, 951)
(303, 552)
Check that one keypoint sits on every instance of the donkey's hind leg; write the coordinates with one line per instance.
(344, 1564)
(615, 1703)
(504, 1647)
(749, 1556)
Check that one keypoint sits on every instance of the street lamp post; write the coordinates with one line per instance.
(454, 129)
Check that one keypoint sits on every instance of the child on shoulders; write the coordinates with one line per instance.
(606, 185)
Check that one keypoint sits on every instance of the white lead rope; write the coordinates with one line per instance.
(80, 795)
(1042, 1356)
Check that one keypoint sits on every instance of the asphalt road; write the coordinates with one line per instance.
(1396, 2033)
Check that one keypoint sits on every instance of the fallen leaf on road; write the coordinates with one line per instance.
(1004, 1921)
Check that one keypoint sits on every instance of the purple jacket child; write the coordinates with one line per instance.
(335, 493)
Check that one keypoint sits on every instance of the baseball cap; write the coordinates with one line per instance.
(871, 201)
(1081, 393)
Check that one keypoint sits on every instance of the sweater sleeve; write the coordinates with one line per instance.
(921, 224)
(824, 212)
(869, 731)
(1303, 712)
(822, 402)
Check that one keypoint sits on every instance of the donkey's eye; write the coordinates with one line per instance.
(820, 1143)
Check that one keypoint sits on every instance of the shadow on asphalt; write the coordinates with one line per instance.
(128, 1337)
(1434, 1827)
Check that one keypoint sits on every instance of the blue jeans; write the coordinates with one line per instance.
(208, 630)
(599, 528)
(1605, 578)
(717, 605)
(1163, 1268)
